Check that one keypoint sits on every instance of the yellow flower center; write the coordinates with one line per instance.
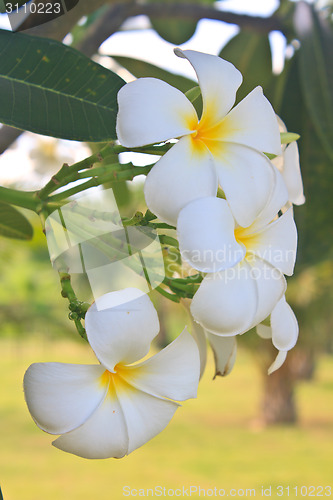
(113, 379)
(244, 237)
(207, 135)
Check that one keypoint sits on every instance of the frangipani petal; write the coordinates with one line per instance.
(145, 415)
(180, 176)
(292, 174)
(225, 351)
(103, 435)
(284, 326)
(282, 125)
(200, 337)
(253, 123)
(152, 111)
(219, 81)
(206, 235)
(288, 165)
(172, 373)
(277, 200)
(271, 285)
(247, 178)
(60, 396)
(278, 362)
(226, 302)
(277, 243)
(264, 331)
(120, 327)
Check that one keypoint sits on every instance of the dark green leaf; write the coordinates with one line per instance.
(314, 219)
(13, 224)
(142, 69)
(51, 89)
(193, 94)
(316, 70)
(176, 31)
(251, 54)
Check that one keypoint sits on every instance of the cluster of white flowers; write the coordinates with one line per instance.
(232, 207)
(246, 242)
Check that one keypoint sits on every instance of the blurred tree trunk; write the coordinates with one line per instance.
(303, 363)
(278, 402)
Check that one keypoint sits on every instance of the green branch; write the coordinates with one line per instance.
(77, 309)
(18, 198)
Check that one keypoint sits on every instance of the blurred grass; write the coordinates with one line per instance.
(211, 441)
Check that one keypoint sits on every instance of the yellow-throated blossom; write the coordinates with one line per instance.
(221, 147)
(112, 408)
(245, 266)
(283, 331)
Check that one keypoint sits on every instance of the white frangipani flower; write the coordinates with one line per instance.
(245, 266)
(222, 147)
(110, 409)
(283, 332)
(289, 166)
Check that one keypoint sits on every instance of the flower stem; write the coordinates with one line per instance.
(24, 199)
(77, 308)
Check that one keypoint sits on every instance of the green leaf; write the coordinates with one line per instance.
(13, 224)
(316, 70)
(251, 54)
(314, 218)
(193, 94)
(51, 89)
(173, 28)
(287, 137)
(141, 69)
(174, 31)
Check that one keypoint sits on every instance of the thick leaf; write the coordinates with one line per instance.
(13, 224)
(316, 70)
(314, 219)
(251, 54)
(142, 69)
(51, 89)
(176, 31)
